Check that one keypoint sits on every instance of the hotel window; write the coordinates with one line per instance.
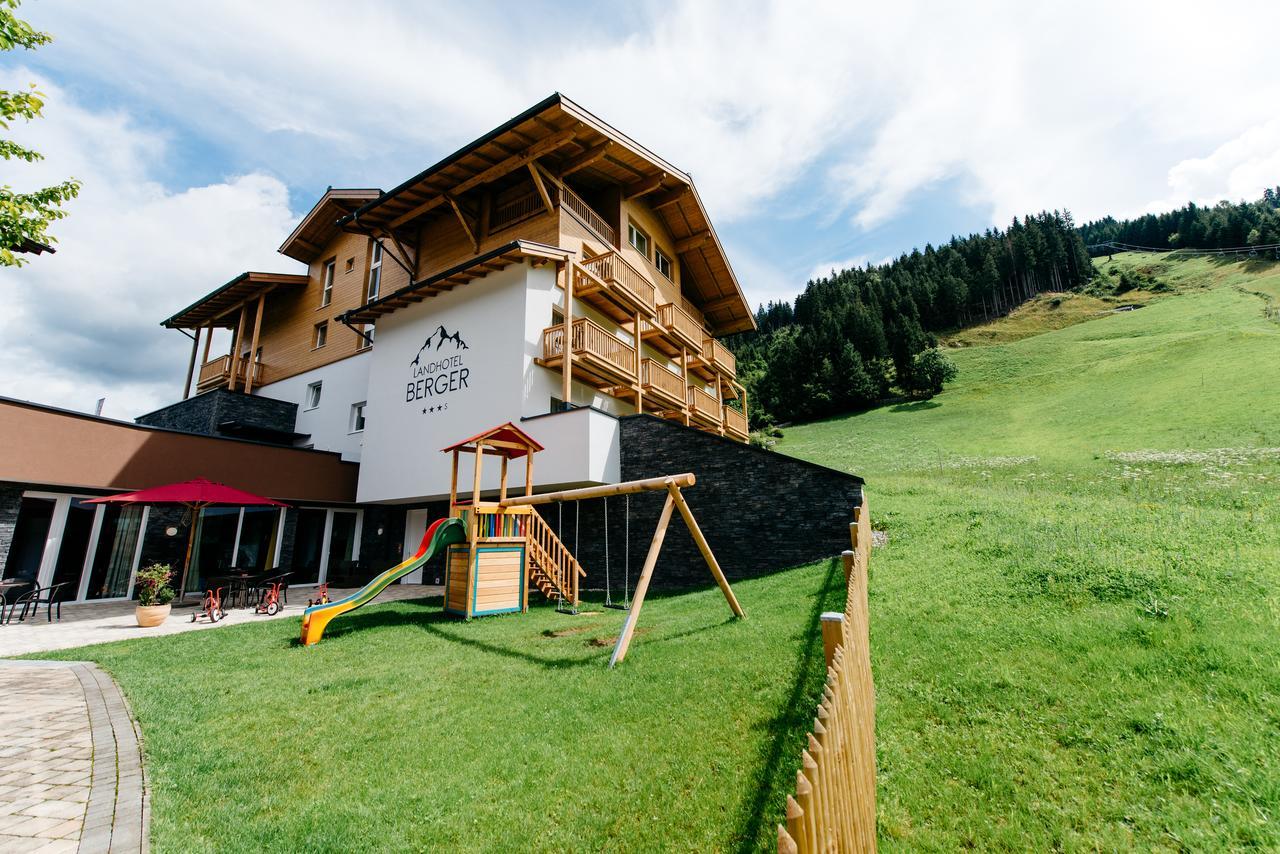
(375, 272)
(322, 334)
(326, 278)
(313, 394)
(357, 417)
(663, 263)
(638, 239)
(366, 340)
(350, 265)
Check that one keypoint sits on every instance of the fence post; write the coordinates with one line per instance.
(832, 632)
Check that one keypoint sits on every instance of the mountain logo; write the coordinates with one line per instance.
(438, 337)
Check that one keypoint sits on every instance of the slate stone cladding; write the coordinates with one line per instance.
(10, 502)
(760, 511)
(203, 413)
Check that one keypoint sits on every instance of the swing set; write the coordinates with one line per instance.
(509, 546)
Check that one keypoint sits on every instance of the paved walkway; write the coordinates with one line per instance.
(72, 759)
(82, 625)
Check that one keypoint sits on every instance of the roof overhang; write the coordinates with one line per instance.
(320, 225)
(218, 308)
(564, 139)
(482, 265)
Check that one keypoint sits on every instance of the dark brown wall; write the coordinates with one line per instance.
(55, 447)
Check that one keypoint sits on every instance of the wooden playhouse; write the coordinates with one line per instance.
(507, 548)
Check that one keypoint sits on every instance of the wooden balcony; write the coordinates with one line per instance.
(217, 372)
(600, 358)
(673, 330)
(584, 213)
(719, 356)
(616, 288)
(735, 423)
(662, 388)
(703, 407)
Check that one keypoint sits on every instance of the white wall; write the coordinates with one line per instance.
(345, 382)
(500, 317)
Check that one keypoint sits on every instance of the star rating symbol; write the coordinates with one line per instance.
(431, 409)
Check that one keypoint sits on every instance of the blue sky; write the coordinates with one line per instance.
(819, 134)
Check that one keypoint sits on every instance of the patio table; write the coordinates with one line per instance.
(237, 585)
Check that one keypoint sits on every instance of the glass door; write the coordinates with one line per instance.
(73, 548)
(119, 539)
(30, 534)
(342, 546)
(308, 546)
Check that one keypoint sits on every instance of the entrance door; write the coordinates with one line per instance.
(26, 551)
(73, 548)
(344, 550)
(415, 525)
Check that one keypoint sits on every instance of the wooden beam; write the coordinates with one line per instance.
(705, 548)
(585, 159)
(668, 198)
(643, 188)
(502, 488)
(536, 174)
(607, 490)
(235, 345)
(566, 346)
(466, 227)
(642, 586)
(453, 486)
(191, 365)
(693, 241)
(253, 347)
(533, 152)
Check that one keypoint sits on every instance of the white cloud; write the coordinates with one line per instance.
(824, 268)
(1238, 169)
(83, 323)
(845, 111)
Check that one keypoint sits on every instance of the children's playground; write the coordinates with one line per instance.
(496, 551)
(490, 718)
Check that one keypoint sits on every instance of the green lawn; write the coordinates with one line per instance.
(1076, 618)
(407, 730)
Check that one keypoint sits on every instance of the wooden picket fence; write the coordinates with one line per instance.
(834, 806)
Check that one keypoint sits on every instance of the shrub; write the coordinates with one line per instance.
(930, 370)
(153, 584)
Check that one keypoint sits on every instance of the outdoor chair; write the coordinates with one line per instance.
(34, 598)
(260, 588)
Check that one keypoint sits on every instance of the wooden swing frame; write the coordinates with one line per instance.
(675, 500)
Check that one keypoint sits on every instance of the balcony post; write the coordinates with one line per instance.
(720, 402)
(566, 360)
(191, 365)
(639, 386)
(252, 364)
(235, 346)
(684, 368)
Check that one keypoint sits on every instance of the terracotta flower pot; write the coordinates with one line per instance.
(152, 615)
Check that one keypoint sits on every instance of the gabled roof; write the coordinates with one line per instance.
(566, 139)
(506, 440)
(309, 238)
(215, 309)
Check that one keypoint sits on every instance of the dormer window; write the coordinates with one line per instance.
(375, 272)
(638, 239)
(663, 263)
(326, 281)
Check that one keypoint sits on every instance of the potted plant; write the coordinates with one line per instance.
(154, 594)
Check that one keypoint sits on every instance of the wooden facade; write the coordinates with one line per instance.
(647, 284)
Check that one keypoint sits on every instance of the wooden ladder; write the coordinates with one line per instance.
(552, 568)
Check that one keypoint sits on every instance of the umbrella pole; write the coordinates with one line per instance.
(186, 562)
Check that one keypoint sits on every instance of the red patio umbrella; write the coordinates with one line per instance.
(195, 494)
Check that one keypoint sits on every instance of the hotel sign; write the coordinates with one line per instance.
(438, 372)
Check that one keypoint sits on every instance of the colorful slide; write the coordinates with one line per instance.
(442, 534)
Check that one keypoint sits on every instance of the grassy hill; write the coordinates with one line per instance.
(1075, 617)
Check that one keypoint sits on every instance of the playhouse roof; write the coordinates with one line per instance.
(505, 440)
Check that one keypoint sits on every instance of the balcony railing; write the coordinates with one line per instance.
(596, 345)
(719, 355)
(592, 220)
(660, 382)
(676, 321)
(611, 272)
(735, 422)
(217, 372)
(704, 405)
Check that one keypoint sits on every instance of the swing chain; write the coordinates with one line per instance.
(608, 587)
